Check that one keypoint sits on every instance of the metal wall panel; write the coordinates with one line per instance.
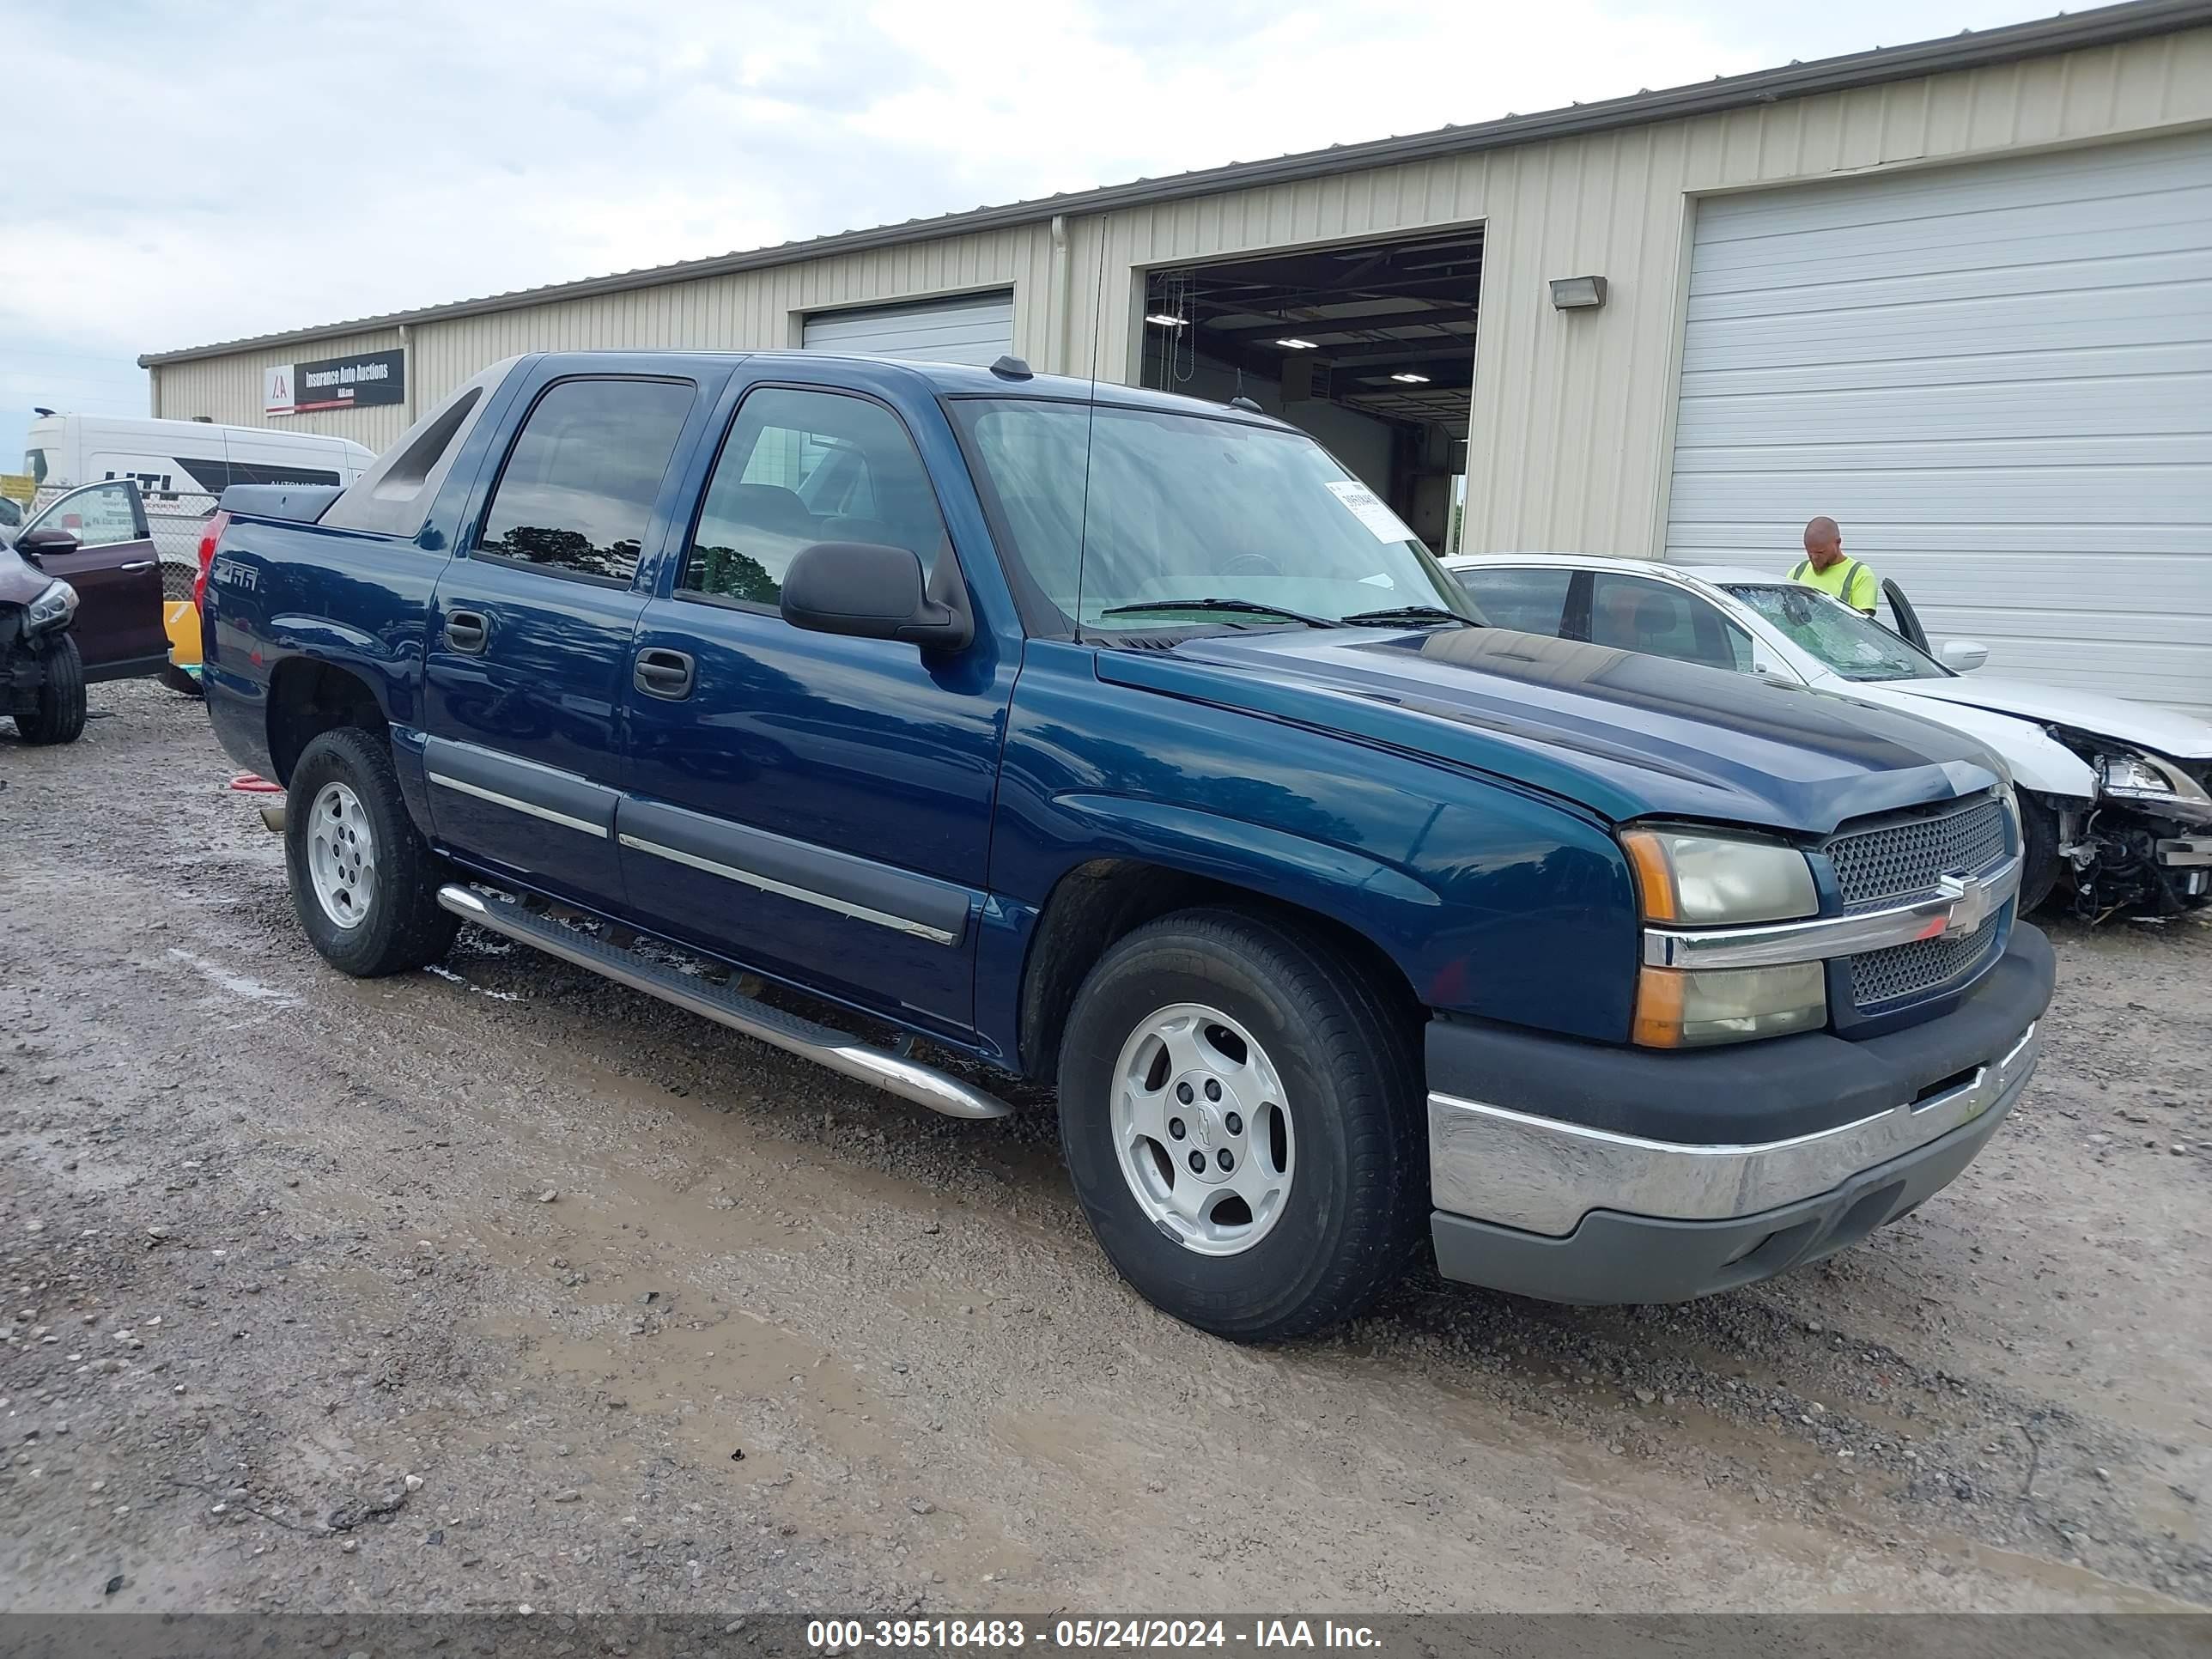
(1998, 377)
(1573, 411)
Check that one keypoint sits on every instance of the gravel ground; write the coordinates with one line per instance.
(501, 1286)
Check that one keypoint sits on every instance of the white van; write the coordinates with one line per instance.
(172, 460)
(182, 467)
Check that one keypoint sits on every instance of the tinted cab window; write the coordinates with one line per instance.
(577, 492)
(802, 467)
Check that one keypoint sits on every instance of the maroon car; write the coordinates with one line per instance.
(80, 601)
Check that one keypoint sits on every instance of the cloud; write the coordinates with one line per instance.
(242, 169)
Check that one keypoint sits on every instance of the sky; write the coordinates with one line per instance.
(187, 172)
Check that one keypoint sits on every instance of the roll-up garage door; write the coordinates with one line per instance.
(977, 328)
(1997, 377)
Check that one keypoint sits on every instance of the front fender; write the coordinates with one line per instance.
(1493, 901)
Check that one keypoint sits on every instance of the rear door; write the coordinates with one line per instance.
(818, 805)
(530, 626)
(112, 566)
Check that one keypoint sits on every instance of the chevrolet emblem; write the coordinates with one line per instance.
(1970, 904)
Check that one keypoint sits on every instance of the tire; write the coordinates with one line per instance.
(1346, 1136)
(345, 796)
(2039, 861)
(55, 712)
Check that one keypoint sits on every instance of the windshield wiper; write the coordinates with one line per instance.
(1410, 613)
(1237, 607)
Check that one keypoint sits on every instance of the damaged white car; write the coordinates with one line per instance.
(2116, 796)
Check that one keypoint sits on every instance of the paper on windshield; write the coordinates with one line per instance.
(1364, 505)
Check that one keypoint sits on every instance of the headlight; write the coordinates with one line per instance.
(2129, 775)
(1690, 1008)
(57, 602)
(1684, 878)
(1697, 880)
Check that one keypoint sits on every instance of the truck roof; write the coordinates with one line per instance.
(969, 379)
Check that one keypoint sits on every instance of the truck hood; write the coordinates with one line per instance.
(2141, 725)
(1623, 734)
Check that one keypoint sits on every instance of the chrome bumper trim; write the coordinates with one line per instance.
(1542, 1176)
(1962, 905)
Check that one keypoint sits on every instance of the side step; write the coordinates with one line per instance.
(908, 1079)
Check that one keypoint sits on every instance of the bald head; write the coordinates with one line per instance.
(1824, 543)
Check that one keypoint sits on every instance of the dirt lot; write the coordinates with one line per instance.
(504, 1286)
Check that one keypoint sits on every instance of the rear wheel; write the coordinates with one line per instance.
(364, 883)
(1240, 1117)
(55, 712)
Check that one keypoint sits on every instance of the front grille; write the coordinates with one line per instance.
(1924, 965)
(1907, 859)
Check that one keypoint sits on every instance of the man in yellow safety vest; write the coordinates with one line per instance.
(1825, 567)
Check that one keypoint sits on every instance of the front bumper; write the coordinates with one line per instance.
(1629, 1184)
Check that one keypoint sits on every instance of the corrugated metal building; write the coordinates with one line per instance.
(1959, 296)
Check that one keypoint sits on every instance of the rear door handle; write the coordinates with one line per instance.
(467, 630)
(664, 674)
(137, 564)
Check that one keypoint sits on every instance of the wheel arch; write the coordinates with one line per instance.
(308, 697)
(1102, 900)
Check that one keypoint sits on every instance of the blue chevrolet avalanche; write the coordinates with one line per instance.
(1104, 737)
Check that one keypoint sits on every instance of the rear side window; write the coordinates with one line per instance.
(1533, 601)
(802, 467)
(1635, 615)
(577, 492)
(34, 463)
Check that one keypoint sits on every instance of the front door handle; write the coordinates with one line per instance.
(664, 674)
(467, 630)
(136, 564)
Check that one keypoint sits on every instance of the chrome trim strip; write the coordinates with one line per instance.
(909, 1079)
(1820, 937)
(1543, 1175)
(517, 805)
(785, 889)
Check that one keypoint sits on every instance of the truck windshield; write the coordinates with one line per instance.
(1116, 512)
(1849, 641)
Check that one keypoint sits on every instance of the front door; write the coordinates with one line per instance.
(530, 631)
(98, 543)
(818, 806)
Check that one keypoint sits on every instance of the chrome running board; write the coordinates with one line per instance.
(839, 1051)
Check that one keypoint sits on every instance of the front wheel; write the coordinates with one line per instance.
(55, 712)
(1242, 1118)
(364, 883)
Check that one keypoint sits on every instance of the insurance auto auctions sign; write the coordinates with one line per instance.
(357, 382)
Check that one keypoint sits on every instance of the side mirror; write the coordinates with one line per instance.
(875, 592)
(1963, 656)
(47, 539)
